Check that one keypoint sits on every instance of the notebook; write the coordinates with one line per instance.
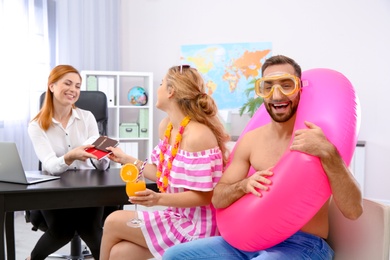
(11, 168)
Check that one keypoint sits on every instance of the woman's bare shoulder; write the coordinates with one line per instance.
(162, 126)
(199, 137)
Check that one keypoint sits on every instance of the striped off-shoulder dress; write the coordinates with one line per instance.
(198, 171)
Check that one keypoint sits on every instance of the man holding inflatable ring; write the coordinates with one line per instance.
(261, 149)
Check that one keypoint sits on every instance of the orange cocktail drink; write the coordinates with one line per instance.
(133, 187)
(135, 181)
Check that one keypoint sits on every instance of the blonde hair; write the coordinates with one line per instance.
(193, 101)
(45, 115)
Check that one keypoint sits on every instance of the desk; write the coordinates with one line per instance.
(82, 188)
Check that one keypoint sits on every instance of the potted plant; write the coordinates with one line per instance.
(253, 102)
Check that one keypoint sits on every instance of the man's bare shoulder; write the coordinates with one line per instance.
(251, 140)
(255, 134)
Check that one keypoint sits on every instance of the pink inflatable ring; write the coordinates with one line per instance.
(300, 186)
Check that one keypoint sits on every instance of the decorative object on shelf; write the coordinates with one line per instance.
(128, 130)
(143, 122)
(137, 96)
(92, 83)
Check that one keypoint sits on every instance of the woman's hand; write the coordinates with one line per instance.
(117, 155)
(147, 198)
(78, 153)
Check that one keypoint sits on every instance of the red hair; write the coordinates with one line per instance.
(45, 115)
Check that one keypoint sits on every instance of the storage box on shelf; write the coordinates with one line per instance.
(128, 130)
(130, 112)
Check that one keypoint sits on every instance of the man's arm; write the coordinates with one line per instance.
(345, 189)
(235, 183)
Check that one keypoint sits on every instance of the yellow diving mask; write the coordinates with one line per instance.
(287, 84)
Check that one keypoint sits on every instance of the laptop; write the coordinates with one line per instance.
(11, 168)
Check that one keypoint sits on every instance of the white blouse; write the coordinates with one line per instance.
(52, 145)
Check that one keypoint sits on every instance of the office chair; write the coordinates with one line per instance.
(96, 102)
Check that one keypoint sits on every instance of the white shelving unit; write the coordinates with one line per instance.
(129, 123)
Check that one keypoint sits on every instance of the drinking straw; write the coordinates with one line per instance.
(141, 170)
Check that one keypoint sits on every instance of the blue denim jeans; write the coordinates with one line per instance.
(299, 246)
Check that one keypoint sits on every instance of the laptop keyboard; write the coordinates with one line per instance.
(33, 178)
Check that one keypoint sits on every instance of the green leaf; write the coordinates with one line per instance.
(253, 103)
(251, 106)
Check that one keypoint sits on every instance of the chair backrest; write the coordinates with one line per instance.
(94, 101)
(368, 237)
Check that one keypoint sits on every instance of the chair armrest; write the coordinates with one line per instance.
(368, 237)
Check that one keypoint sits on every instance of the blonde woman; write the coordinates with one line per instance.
(186, 164)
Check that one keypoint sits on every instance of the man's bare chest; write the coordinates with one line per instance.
(265, 156)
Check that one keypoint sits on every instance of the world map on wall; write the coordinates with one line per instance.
(227, 69)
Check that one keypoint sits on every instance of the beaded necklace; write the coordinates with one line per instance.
(162, 177)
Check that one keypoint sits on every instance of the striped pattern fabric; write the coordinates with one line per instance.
(190, 171)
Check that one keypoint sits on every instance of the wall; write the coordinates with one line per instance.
(351, 36)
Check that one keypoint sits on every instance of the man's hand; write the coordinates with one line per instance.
(311, 141)
(258, 181)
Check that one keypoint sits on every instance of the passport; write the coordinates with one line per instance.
(100, 146)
